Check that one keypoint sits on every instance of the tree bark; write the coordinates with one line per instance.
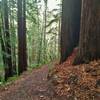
(22, 54)
(2, 39)
(89, 46)
(44, 34)
(24, 36)
(70, 28)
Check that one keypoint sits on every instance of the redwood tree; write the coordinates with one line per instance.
(89, 46)
(22, 54)
(70, 28)
(24, 35)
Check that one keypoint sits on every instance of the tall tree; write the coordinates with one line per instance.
(24, 36)
(7, 50)
(71, 13)
(40, 35)
(44, 33)
(2, 35)
(89, 46)
(22, 54)
(12, 29)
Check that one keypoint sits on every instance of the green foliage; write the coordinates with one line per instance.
(12, 79)
(37, 28)
(1, 74)
(35, 65)
(9, 81)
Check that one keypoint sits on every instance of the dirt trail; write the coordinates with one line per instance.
(32, 86)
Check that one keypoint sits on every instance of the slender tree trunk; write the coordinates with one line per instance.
(59, 36)
(40, 37)
(20, 38)
(8, 66)
(13, 34)
(71, 13)
(24, 36)
(1, 33)
(89, 46)
(44, 35)
(2, 40)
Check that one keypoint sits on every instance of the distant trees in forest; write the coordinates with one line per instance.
(8, 37)
(6, 40)
(29, 33)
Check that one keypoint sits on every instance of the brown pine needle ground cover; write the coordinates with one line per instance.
(81, 82)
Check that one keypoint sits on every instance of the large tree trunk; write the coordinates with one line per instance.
(89, 46)
(70, 28)
(22, 55)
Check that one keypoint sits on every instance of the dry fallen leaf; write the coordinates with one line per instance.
(85, 77)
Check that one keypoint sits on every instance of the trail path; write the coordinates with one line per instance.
(31, 86)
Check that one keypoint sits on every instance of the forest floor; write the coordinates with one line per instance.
(62, 82)
(80, 82)
(30, 86)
